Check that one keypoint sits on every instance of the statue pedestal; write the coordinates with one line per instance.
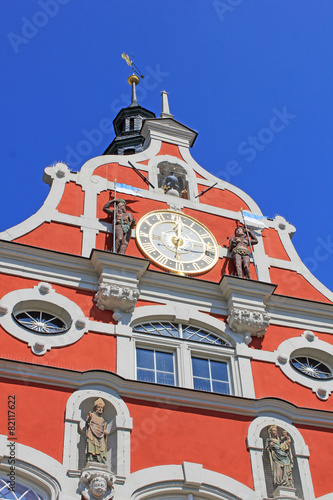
(96, 466)
(285, 492)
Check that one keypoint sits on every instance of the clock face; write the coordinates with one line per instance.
(177, 242)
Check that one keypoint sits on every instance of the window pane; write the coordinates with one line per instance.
(145, 375)
(165, 378)
(219, 370)
(164, 361)
(145, 358)
(168, 330)
(165, 329)
(221, 387)
(200, 367)
(22, 492)
(193, 336)
(201, 384)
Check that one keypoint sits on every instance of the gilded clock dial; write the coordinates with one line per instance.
(177, 242)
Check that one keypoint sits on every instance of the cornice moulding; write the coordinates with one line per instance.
(111, 265)
(81, 272)
(244, 288)
(246, 304)
(168, 130)
(164, 394)
(47, 265)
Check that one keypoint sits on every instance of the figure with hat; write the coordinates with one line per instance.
(96, 434)
(122, 223)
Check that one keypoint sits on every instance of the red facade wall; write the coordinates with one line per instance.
(295, 285)
(273, 245)
(320, 443)
(275, 335)
(222, 199)
(165, 435)
(39, 413)
(92, 351)
(122, 174)
(269, 381)
(54, 236)
(170, 149)
(72, 200)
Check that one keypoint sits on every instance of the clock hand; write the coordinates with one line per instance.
(178, 227)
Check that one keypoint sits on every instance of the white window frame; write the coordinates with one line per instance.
(45, 297)
(157, 349)
(183, 351)
(181, 327)
(238, 355)
(218, 360)
(306, 345)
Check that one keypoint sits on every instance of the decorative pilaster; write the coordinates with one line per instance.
(118, 284)
(246, 303)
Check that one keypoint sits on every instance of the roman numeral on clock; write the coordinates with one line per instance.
(207, 258)
(162, 260)
(149, 247)
(179, 266)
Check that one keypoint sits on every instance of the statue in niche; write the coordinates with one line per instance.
(280, 457)
(96, 434)
(172, 179)
(123, 223)
(238, 247)
(171, 182)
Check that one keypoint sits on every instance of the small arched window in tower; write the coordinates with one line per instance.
(172, 179)
(129, 151)
(131, 124)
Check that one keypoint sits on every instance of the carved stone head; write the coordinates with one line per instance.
(99, 406)
(98, 486)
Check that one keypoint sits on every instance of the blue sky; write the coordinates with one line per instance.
(230, 67)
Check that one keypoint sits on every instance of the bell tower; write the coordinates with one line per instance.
(127, 124)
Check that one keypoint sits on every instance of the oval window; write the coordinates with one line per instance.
(311, 367)
(41, 322)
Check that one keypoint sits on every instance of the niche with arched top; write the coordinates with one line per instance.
(109, 416)
(172, 178)
(280, 461)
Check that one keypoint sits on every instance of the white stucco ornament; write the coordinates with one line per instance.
(245, 320)
(116, 298)
(96, 483)
(61, 169)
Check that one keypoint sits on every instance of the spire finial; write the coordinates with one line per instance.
(134, 78)
(165, 106)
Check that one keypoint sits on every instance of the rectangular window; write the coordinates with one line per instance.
(210, 375)
(155, 366)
